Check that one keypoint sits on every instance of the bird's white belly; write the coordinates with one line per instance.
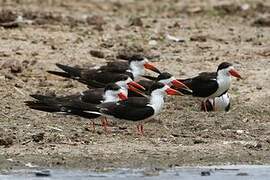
(221, 103)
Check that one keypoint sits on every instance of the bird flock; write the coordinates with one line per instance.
(120, 90)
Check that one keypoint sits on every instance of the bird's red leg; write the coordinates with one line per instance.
(106, 120)
(138, 128)
(204, 104)
(142, 130)
(106, 125)
(103, 123)
(214, 104)
(93, 125)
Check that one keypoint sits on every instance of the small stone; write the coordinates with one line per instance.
(198, 38)
(97, 54)
(198, 141)
(175, 39)
(152, 43)
(242, 174)
(16, 69)
(34, 54)
(18, 85)
(13, 65)
(259, 87)
(205, 173)
(175, 135)
(38, 137)
(98, 28)
(136, 22)
(6, 141)
(240, 131)
(254, 145)
(45, 173)
(53, 47)
(118, 27)
(95, 20)
(262, 22)
(9, 76)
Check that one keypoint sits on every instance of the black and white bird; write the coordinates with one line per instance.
(78, 104)
(134, 67)
(221, 103)
(138, 109)
(211, 84)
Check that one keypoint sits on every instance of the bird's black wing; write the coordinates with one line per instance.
(127, 110)
(67, 104)
(99, 78)
(150, 77)
(202, 85)
(93, 96)
(208, 75)
(115, 66)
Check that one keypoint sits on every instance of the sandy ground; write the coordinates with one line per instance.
(66, 31)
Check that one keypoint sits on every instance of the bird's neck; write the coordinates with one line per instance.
(136, 70)
(123, 86)
(223, 78)
(156, 102)
(224, 83)
(108, 97)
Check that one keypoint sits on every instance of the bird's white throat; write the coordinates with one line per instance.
(124, 86)
(110, 96)
(157, 101)
(137, 69)
(224, 82)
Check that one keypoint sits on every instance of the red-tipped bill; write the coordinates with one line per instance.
(130, 87)
(151, 67)
(122, 96)
(234, 73)
(171, 91)
(178, 84)
(134, 84)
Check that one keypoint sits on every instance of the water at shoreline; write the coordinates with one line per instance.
(237, 172)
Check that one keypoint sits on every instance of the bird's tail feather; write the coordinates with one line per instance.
(42, 106)
(62, 74)
(69, 72)
(73, 71)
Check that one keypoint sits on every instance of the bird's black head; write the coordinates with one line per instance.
(130, 75)
(164, 76)
(155, 86)
(112, 87)
(224, 65)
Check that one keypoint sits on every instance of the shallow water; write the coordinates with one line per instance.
(243, 172)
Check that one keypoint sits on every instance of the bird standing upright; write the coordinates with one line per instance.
(78, 104)
(211, 84)
(139, 109)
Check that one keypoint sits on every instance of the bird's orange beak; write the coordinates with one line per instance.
(122, 96)
(179, 84)
(151, 67)
(130, 87)
(234, 73)
(134, 84)
(171, 91)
